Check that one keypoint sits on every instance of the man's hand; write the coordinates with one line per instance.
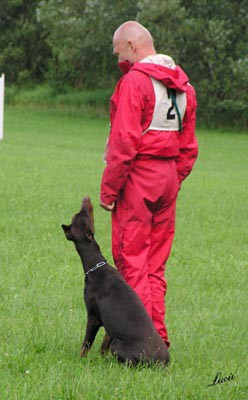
(107, 207)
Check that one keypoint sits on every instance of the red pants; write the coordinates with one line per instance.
(143, 225)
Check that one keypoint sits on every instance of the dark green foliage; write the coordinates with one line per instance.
(83, 58)
(209, 41)
(215, 54)
(68, 43)
(23, 52)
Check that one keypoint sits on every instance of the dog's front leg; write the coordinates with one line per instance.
(93, 325)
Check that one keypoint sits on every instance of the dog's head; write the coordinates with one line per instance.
(82, 226)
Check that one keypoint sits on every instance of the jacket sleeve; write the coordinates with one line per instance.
(124, 140)
(188, 150)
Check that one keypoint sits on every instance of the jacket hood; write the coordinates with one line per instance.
(164, 69)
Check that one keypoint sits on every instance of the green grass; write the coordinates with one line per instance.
(46, 96)
(50, 159)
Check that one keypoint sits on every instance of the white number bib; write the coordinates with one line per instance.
(164, 115)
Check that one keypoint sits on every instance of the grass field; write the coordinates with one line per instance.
(49, 160)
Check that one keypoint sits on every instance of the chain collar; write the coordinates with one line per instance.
(98, 265)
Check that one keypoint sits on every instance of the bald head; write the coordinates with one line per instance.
(132, 42)
(132, 30)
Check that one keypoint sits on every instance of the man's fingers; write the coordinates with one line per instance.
(108, 207)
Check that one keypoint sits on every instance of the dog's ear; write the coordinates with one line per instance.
(89, 234)
(67, 231)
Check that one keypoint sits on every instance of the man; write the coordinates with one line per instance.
(151, 149)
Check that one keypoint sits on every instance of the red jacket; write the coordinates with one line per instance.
(131, 112)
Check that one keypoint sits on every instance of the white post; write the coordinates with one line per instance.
(1, 105)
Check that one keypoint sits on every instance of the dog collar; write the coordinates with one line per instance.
(98, 265)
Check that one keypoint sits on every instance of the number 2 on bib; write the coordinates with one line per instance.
(171, 111)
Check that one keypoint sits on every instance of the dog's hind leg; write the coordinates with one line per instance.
(106, 344)
(93, 325)
(122, 353)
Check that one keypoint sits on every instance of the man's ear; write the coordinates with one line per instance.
(132, 45)
(67, 231)
(89, 234)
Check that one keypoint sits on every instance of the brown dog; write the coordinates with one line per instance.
(111, 302)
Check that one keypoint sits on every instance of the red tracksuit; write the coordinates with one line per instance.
(147, 159)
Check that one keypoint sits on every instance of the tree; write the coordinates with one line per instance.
(209, 40)
(23, 52)
(84, 57)
(69, 43)
(165, 21)
(214, 50)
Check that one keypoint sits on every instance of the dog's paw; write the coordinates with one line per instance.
(83, 351)
(104, 350)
